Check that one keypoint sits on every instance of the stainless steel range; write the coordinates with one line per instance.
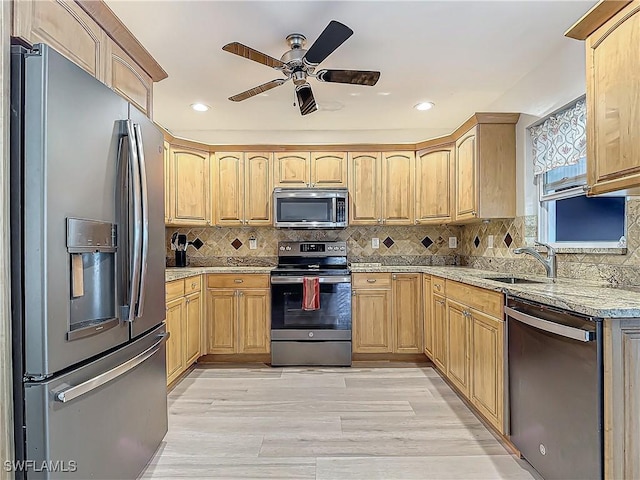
(317, 336)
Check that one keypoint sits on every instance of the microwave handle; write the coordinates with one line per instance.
(335, 209)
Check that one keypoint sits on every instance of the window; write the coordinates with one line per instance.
(567, 217)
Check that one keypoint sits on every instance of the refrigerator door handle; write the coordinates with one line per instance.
(145, 220)
(136, 244)
(72, 393)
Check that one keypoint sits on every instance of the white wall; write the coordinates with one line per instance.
(547, 87)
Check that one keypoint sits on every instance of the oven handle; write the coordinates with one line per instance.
(552, 327)
(293, 280)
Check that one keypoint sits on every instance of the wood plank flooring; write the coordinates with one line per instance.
(386, 422)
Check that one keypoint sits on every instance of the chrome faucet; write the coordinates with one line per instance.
(550, 264)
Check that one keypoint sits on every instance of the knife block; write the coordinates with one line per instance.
(181, 258)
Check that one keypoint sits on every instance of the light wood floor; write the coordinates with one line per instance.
(391, 422)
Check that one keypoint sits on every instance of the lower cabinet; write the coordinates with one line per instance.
(238, 319)
(458, 341)
(427, 301)
(184, 324)
(387, 313)
(440, 331)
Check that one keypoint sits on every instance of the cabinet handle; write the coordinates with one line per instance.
(371, 280)
(438, 286)
(353, 293)
(193, 285)
(238, 280)
(473, 212)
(188, 301)
(395, 277)
(240, 294)
(379, 220)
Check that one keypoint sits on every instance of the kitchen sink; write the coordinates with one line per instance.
(511, 280)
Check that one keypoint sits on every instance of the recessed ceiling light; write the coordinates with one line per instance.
(384, 94)
(200, 107)
(424, 106)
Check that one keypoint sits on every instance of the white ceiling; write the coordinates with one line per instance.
(463, 56)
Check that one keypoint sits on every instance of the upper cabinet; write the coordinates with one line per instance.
(381, 186)
(485, 172)
(125, 77)
(242, 188)
(92, 37)
(434, 185)
(189, 187)
(310, 169)
(64, 26)
(613, 95)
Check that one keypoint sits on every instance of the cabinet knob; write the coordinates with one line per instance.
(371, 280)
(238, 280)
(394, 276)
(379, 220)
(353, 293)
(240, 294)
(473, 212)
(193, 285)
(187, 301)
(438, 286)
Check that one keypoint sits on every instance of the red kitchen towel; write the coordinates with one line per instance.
(310, 293)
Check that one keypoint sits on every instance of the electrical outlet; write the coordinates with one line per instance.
(253, 243)
(453, 242)
(490, 241)
(375, 243)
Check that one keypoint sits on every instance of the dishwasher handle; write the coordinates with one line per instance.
(552, 327)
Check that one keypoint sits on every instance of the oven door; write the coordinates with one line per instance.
(331, 319)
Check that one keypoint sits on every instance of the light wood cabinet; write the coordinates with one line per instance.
(329, 169)
(175, 347)
(459, 320)
(365, 185)
(193, 325)
(242, 188)
(485, 169)
(291, 169)
(125, 77)
(427, 316)
(167, 181)
(371, 320)
(486, 370)
(66, 27)
(407, 312)
(613, 102)
(398, 180)
(189, 187)
(239, 318)
(381, 187)
(440, 326)
(435, 184)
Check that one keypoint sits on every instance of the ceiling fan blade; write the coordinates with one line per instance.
(252, 92)
(305, 99)
(334, 35)
(355, 77)
(248, 52)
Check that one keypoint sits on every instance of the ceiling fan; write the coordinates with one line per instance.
(298, 64)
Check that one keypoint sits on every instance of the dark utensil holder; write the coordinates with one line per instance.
(181, 258)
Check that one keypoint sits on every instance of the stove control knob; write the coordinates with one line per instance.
(329, 249)
(282, 248)
(342, 248)
(288, 248)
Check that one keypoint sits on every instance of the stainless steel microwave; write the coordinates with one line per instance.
(310, 207)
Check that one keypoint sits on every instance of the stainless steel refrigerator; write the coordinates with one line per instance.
(87, 237)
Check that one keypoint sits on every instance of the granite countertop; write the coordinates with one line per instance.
(589, 298)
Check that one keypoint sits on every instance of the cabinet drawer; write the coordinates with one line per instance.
(371, 280)
(229, 280)
(439, 285)
(192, 284)
(480, 299)
(174, 289)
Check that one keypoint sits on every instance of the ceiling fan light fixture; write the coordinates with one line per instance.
(423, 106)
(200, 107)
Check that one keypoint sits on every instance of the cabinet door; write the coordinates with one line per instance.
(434, 195)
(228, 188)
(487, 385)
(291, 170)
(190, 204)
(328, 170)
(458, 340)
(427, 317)
(193, 317)
(613, 121)
(64, 26)
(258, 191)
(167, 183)
(364, 188)
(440, 332)
(466, 173)
(254, 321)
(372, 328)
(127, 78)
(398, 179)
(175, 348)
(407, 314)
(222, 318)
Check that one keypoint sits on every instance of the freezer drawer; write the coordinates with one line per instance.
(102, 421)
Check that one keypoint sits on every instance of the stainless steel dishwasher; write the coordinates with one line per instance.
(554, 360)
